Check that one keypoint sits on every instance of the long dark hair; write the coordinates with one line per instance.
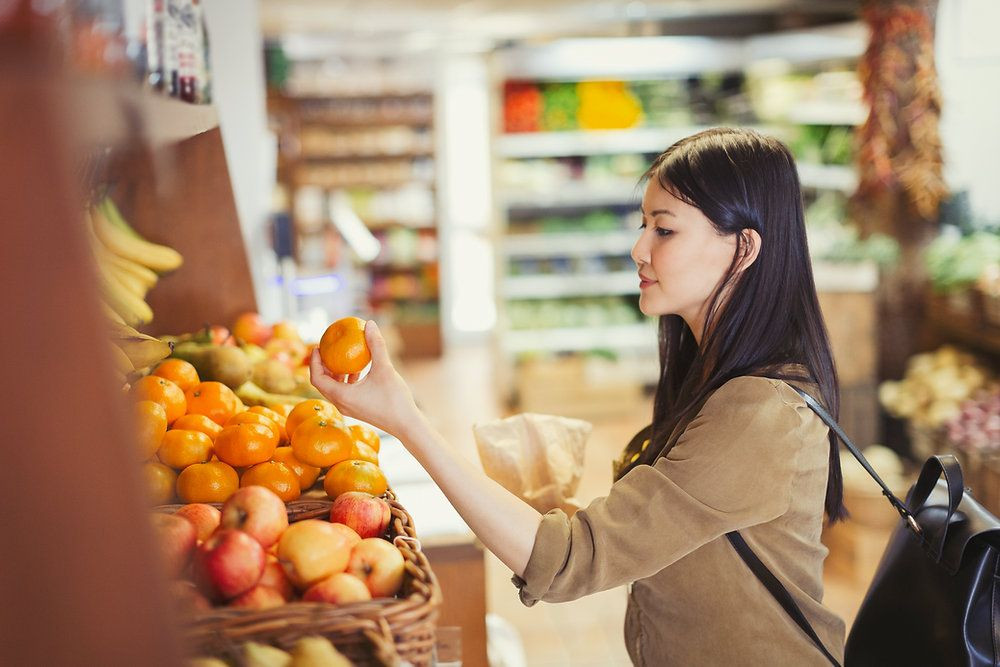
(770, 317)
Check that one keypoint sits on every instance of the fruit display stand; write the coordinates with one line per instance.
(379, 632)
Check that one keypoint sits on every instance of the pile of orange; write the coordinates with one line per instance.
(200, 443)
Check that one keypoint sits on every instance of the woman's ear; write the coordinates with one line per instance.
(749, 249)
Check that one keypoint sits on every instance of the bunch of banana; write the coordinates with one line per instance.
(135, 351)
(127, 264)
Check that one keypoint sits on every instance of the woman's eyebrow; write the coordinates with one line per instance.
(659, 211)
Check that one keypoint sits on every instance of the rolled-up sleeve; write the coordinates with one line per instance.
(731, 468)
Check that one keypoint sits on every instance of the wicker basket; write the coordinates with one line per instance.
(383, 631)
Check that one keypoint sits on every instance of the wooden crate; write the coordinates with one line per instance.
(576, 386)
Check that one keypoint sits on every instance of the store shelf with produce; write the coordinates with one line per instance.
(574, 194)
(569, 244)
(569, 285)
(590, 142)
(827, 113)
(580, 339)
(843, 178)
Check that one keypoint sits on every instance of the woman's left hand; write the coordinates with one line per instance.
(380, 398)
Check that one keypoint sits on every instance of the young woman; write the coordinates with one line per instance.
(722, 261)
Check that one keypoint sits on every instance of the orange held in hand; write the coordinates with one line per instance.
(211, 482)
(162, 391)
(355, 476)
(180, 372)
(214, 400)
(320, 442)
(313, 407)
(343, 348)
(243, 445)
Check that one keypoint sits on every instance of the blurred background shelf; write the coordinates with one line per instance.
(576, 339)
(545, 286)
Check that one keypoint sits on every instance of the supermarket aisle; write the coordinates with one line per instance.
(457, 391)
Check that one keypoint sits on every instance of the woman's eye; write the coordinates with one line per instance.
(663, 232)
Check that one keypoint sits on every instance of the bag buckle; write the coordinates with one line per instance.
(905, 513)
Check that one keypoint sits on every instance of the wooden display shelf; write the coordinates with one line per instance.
(967, 328)
(116, 113)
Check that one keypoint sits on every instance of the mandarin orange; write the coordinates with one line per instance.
(243, 445)
(321, 442)
(214, 400)
(160, 480)
(366, 434)
(343, 348)
(307, 409)
(307, 474)
(211, 482)
(180, 372)
(151, 424)
(274, 415)
(256, 418)
(355, 476)
(364, 452)
(193, 422)
(275, 476)
(162, 391)
(180, 448)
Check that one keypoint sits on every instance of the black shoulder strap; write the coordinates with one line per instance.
(776, 589)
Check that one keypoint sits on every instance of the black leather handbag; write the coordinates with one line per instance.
(935, 597)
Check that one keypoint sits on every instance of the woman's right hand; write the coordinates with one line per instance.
(380, 398)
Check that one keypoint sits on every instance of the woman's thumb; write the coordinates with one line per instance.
(376, 344)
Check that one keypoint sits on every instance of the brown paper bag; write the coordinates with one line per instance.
(539, 458)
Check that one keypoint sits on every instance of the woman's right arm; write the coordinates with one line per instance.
(503, 522)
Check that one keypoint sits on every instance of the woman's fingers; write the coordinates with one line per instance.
(376, 344)
(353, 377)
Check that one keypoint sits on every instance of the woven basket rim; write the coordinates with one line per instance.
(384, 622)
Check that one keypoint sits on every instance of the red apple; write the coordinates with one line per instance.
(177, 538)
(187, 598)
(379, 564)
(229, 563)
(274, 577)
(340, 588)
(249, 328)
(257, 511)
(258, 597)
(349, 534)
(312, 550)
(367, 515)
(205, 518)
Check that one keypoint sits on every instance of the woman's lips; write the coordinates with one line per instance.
(645, 282)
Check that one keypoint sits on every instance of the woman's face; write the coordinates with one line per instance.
(680, 256)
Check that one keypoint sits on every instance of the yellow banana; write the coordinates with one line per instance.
(124, 242)
(130, 307)
(123, 364)
(128, 281)
(110, 313)
(137, 271)
(141, 350)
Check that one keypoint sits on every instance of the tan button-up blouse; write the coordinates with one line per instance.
(753, 459)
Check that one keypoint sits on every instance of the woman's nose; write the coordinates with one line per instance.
(640, 253)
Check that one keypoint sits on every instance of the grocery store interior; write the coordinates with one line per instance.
(466, 173)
